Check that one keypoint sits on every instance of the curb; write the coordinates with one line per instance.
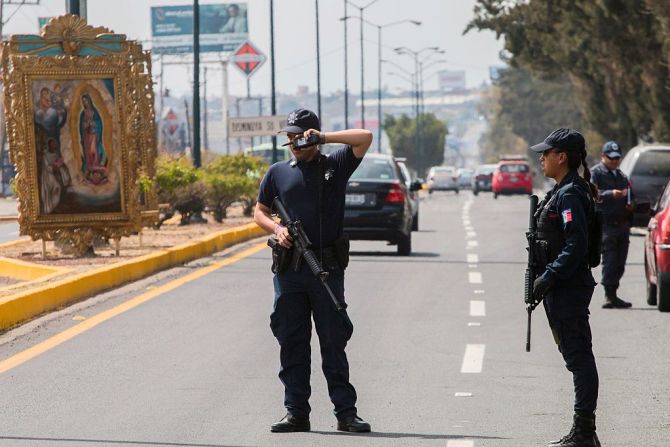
(8, 218)
(18, 308)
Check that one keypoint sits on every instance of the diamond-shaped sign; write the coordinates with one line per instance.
(247, 58)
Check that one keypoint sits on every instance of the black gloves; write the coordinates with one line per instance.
(543, 285)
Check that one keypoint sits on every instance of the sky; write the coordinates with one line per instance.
(443, 22)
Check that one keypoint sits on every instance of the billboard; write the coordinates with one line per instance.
(451, 80)
(223, 27)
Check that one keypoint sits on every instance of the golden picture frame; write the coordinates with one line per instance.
(80, 126)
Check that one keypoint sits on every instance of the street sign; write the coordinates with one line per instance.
(247, 58)
(255, 126)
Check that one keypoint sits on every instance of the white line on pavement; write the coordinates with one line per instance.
(477, 308)
(473, 258)
(479, 292)
(472, 244)
(460, 443)
(473, 359)
(470, 234)
(475, 277)
(472, 266)
(474, 324)
(462, 394)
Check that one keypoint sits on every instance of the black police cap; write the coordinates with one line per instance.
(564, 139)
(301, 120)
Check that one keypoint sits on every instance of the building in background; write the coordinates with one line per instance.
(451, 80)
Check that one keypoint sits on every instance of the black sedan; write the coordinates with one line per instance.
(377, 205)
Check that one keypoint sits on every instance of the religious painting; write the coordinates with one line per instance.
(80, 126)
(76, 146)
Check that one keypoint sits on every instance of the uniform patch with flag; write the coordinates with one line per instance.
(567, 216)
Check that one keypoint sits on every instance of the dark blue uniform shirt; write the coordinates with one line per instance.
(297, 186)
(613, 210)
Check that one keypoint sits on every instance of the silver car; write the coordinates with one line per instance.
(442, 178)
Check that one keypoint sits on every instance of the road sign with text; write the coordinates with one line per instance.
(255, 126)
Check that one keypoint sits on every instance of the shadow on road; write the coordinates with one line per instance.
(416, 254)
(378, 434)
(109, 441)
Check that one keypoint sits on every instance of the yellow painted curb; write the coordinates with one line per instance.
(26, 271)
(23, 306)
(16, 242)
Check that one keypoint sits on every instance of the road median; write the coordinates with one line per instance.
(18, 308)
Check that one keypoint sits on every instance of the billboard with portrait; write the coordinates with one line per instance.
(223, 27)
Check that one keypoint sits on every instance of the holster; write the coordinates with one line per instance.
(341, 248)
(541, 255)
(281, 256)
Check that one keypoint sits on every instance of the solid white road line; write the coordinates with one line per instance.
(460, 443)
(473, 258)
(475, 277)
(477, 308)
(473, 360)
(462, 394)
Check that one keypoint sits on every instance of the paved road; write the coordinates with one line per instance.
(437, 355)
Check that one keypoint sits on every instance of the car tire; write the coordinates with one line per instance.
(415, 222)
(475, 192)
(405, 245)
(662, 293)
(430, 191)
(457, 191)
(495, 195)
(651, 288)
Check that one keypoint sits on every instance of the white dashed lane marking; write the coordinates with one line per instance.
(473, 360)
(475, 277)
(473, 244)
(460, 443)
(474, 324)
(473, 258)
(477, 308)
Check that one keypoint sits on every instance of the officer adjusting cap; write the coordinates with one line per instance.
(612, 150)
(562, 138)
(301, 120)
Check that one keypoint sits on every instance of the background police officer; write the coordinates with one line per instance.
(567, 284)
(312, 189)
(616, 206)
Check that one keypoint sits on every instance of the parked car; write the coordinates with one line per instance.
(377, 204)
(512, 177)
(442, 178)
(464, 178)
(413, 192)
(648, 169)
(482, 178)
(657, 253)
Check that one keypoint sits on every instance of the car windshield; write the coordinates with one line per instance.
(653, 163)
(375, 169)
(441, 172)
(514, 168)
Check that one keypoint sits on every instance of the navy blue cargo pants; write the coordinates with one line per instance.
(615, 251)
(299, 296)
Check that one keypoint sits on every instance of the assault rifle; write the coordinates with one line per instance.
(531, 269)
(302, 244)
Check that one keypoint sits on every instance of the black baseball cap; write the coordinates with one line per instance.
(562, 138)
(612, 149)
(301, 120)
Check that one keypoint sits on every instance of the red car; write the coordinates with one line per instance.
(512, 177)
(657, 253)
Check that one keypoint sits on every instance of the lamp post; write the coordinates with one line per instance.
(415, 55)
(379, 66)
(195, 150)
(422, 69)
(361, 9)
(273, 99)
(318, 63)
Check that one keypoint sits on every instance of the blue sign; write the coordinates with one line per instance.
(223, 27)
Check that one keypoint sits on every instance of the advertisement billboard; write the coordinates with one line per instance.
(451, 80)
(223, 27)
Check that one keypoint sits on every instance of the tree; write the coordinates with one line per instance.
(402, 134)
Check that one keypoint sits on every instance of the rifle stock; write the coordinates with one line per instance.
(531, 270)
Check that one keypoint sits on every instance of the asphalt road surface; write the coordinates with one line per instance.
(187, 358)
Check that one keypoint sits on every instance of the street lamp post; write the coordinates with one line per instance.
(195, 150)
(318, 63)
(273, 99)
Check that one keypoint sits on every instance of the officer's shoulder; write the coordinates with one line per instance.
(598, 169)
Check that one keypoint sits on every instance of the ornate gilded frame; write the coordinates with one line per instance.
(68, 48)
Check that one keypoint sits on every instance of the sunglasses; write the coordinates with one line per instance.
(612, 158)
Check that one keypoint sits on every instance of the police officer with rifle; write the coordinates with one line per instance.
(564, 246)
(310, 254)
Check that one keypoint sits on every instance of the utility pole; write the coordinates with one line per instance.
(318, 64)
(273, 101)
(195, 149)
(204, 123)
(346, 71)
(362, 76)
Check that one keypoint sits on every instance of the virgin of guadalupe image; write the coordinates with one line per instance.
(94, 156)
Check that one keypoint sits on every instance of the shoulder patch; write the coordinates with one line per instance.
(567, 215)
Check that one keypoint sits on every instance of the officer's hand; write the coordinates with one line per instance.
(630, 207)
(283, 236)
(618, 193)
(542, 286)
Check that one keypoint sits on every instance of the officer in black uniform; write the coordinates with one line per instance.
(312, 188)
(566, 285)
(616, 206)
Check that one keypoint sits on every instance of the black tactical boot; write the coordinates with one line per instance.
(290, 424)
(353, 424)
(612, 301)
(582, 433)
